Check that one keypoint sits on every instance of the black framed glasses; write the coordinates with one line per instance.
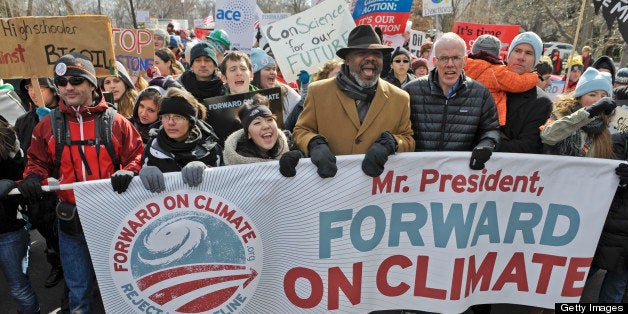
(404, 61)
(74, 80)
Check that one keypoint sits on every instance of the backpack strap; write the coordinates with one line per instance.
(104, 132)
(61, 135)
(103, 124)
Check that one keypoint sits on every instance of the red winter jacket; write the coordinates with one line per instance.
(127, 143)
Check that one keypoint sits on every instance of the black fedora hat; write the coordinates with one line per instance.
(363, 37)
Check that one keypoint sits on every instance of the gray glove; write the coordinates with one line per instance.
(152, 179)
(192, 173)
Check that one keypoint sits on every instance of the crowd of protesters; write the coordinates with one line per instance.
(349, 107)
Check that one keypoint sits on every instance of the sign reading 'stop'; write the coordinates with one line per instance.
(32, 45)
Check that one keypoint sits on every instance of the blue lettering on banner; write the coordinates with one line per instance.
(447, 223)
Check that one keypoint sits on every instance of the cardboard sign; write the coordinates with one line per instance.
(221, 110)
(307, 40)
(134, 49)
(470, 31)
(32, 45)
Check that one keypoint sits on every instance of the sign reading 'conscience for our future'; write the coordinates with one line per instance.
(307, 40)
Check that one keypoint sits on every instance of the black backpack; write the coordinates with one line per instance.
(103, 124)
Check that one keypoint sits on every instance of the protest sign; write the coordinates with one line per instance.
(142, 16)
(556, 89)
(32, 45)
(416, 40)
(135, 49)
(389, 15)
(237, 18)
(429, 234)
(305, 41)
(266, 19)
(614, 11)
(202, 33)
(470, 31)
(432, 7)
(221, 110)
(619, 120)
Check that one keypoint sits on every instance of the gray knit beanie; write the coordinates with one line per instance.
(487, 43)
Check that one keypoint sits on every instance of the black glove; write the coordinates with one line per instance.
(377, 155)
(288, 163)
(121, 179)
(479, 157)
(622, 172)
(30, 187)
(322, 157)
(6, 186)
(605, 105)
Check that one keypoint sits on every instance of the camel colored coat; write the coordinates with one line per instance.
(329, 112)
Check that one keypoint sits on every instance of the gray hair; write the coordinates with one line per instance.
(450, 37)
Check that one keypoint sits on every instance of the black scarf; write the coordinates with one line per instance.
(572, 145)
(202, 89)
(182, 151)
(248, 148)
(362, 95)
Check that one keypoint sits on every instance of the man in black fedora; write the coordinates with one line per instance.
(356, 112)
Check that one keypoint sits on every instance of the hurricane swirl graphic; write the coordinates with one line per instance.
(191, 261)
(172, 240)
(184, 238)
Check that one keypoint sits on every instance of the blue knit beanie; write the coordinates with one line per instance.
(260, 60)
(528, 38)
(622, 76)
(592, 80)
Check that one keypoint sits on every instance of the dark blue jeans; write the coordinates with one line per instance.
(14, 264)
(613, 286)
(78, 270)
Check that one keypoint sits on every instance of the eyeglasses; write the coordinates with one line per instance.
(30, 87)
(165, 118)
(445, 59)
(74, 80)
(399, 61)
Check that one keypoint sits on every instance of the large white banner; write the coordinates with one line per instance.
(237, 18)
(305, 41)
(429, 234)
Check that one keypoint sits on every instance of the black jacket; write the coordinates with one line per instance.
(11, 169)
(466, 120)
(24, 127)
(612, 248)
(206, 149)
(525, 113)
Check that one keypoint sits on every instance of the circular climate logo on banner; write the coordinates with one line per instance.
(186, 252)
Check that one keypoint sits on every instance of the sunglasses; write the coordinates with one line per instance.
(399, 61)
(74, 80)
